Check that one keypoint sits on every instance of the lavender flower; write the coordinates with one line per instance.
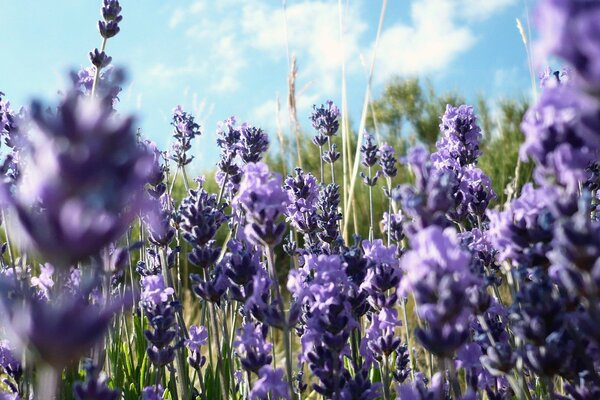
(569, 30)
(383, 274)
(431, 198)
(94, 387)
(253, 143)
(186, 129)
(153, 393)
(99, 59)
(252, 349)
(44, 281)
(156, 175)
(381, 339)
(328, 319)
(241, 265)
(369, 158)
(437, 273)
(62, 330)
(418, 391)
(369, 151)
(329, 216)
(228, 138)
(201, 218)
(108, 84)
(213, 288)
(325, 118)
(161, 313)
(8, 362)
(561, 135)
(393, 223)
(198, 338)
(263, 200)
(388, 161)
(303, 191)
(474, 192)
(270, 385)
(111, 13)
(460, 136)
(523, 231)
(84, 181)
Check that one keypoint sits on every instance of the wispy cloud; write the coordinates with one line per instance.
(438, 33)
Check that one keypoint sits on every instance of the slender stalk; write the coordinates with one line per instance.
(363, 117)
(185, 179)
(408, 339)
(385, 378)
(321, 164)
(286, 328)
(452, 377)
(97, 73)
(224, 381)
(371, 230)
(180, 361)
(331, 161)
(48, 385)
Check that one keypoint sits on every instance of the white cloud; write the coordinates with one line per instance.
(438, 33)
(478, 9)
(312, 34)
(176, 18)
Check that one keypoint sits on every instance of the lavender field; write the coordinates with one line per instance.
(423, 249)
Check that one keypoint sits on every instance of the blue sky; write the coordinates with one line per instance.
(219, 58)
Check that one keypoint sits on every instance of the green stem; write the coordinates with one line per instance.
(97, 73)
(286, 328)
(182, 382)
(408, 339)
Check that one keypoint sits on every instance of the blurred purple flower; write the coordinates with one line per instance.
(562, 135)
(570, 29)
(270, 385)
(263, 200)
(252, 349)
(153, 393)
(84, 180)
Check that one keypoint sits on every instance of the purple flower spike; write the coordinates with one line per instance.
(254, 142)
(186, 129)
(388, 161)
(252, 348)
(270, 385)
(111, 13)
(263, 200)
(94, 387)
(561, 135)
(8, 362)
(201, 218)
(303, 191)
(59, 331)
(325, 118)
(153, 393)
(84, 180)
(437, 273)
(198, 338)
(460, 137)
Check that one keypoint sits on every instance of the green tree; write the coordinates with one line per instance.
(407, 107)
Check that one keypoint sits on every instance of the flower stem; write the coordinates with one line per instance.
(182, 381)
(48, 384)
(97, 73)
(286, 328)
